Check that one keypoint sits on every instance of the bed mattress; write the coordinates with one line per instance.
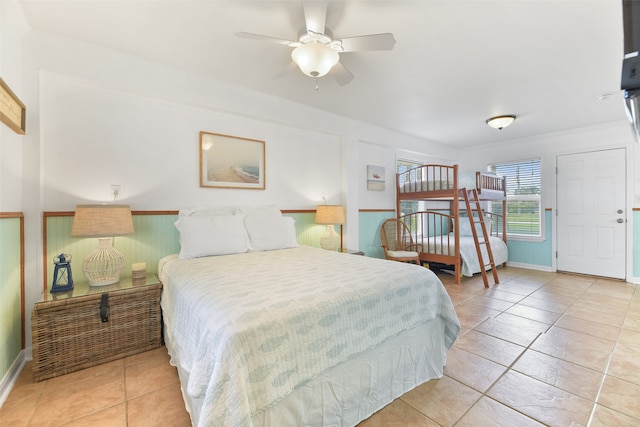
(257, 332)
(465, 180)
(470, 262)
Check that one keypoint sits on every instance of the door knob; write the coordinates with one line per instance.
(620, 220)
(619, 211)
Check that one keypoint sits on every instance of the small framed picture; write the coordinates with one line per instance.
(231, 162)
(12, 110)
(375, 178)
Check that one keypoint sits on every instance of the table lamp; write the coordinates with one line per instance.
(330, 215)
(104, 265)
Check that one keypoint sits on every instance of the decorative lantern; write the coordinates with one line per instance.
(62, 278)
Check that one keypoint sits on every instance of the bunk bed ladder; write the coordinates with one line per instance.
(476, 216)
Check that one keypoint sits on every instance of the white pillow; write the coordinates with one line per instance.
(268, 233)
(211, 235)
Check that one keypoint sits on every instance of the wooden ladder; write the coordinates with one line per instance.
(472, 204)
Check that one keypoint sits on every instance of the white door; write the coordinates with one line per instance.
(591, 215)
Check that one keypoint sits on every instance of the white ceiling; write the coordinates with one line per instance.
(455, 63)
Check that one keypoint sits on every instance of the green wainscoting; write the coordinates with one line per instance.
(534, 253)
(525, 252)
(636, 243)
(155, 237)
(369, 231)
(307, 231)
(11, 326)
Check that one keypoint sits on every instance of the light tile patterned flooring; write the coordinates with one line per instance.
(537, 349)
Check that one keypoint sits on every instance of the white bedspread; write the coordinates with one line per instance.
(250, 328)
(470, 262)
(465, 180)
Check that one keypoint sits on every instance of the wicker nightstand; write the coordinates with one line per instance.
(71, 333)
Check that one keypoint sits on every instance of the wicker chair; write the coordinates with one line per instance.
(397, 242)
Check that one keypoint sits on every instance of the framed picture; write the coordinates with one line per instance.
(12, 110)
(231, 162)
(375, 178)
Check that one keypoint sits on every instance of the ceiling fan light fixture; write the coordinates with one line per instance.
(499, 122)
(315, 59)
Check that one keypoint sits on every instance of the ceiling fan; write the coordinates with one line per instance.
(316, 52)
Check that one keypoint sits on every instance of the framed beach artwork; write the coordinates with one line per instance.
(231, 162)
(375, 178)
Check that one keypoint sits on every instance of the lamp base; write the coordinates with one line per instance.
(330, 240)
(104, 265)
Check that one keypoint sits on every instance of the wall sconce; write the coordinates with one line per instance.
(104, 265)
(330, 215)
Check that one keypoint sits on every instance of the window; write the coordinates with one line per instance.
(407, 206)
(524, 213)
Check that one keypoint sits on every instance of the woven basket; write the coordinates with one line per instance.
(69, 334)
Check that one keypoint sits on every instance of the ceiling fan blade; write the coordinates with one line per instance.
(384, 41)
(268, 39)
(315, 13)
(341, 75)
(285, 71)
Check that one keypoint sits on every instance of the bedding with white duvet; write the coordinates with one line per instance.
(468, 254)
(465, 180)
(252, 329)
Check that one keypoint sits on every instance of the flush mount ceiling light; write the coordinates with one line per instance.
(499, 122)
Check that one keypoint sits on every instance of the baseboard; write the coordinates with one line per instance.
(546, 268)
(633, 280)
(9, 380)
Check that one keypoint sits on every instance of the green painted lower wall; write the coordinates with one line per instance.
(10, 307)
(307, 231)
(155, 237)
(369, 232)
(636, 244)
(534, 253)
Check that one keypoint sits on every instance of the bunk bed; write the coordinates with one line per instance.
(442, 233)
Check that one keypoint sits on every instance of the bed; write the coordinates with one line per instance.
(272, 333)
(443, 235)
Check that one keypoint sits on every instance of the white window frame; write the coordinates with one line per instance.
(413, 164)
(491, 167)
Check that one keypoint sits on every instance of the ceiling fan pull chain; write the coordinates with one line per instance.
(316, 80)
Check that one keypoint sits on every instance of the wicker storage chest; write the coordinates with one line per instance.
(69, 333)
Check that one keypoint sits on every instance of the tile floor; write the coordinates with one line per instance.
(537, 349)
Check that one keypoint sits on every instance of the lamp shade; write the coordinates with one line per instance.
(104, 265)
(315, 59)
(102, 221)
(330, 214)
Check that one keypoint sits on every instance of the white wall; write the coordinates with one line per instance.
(109, 118)
(12, 27)
(548, 147)
(94, 137)
(386, 156)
